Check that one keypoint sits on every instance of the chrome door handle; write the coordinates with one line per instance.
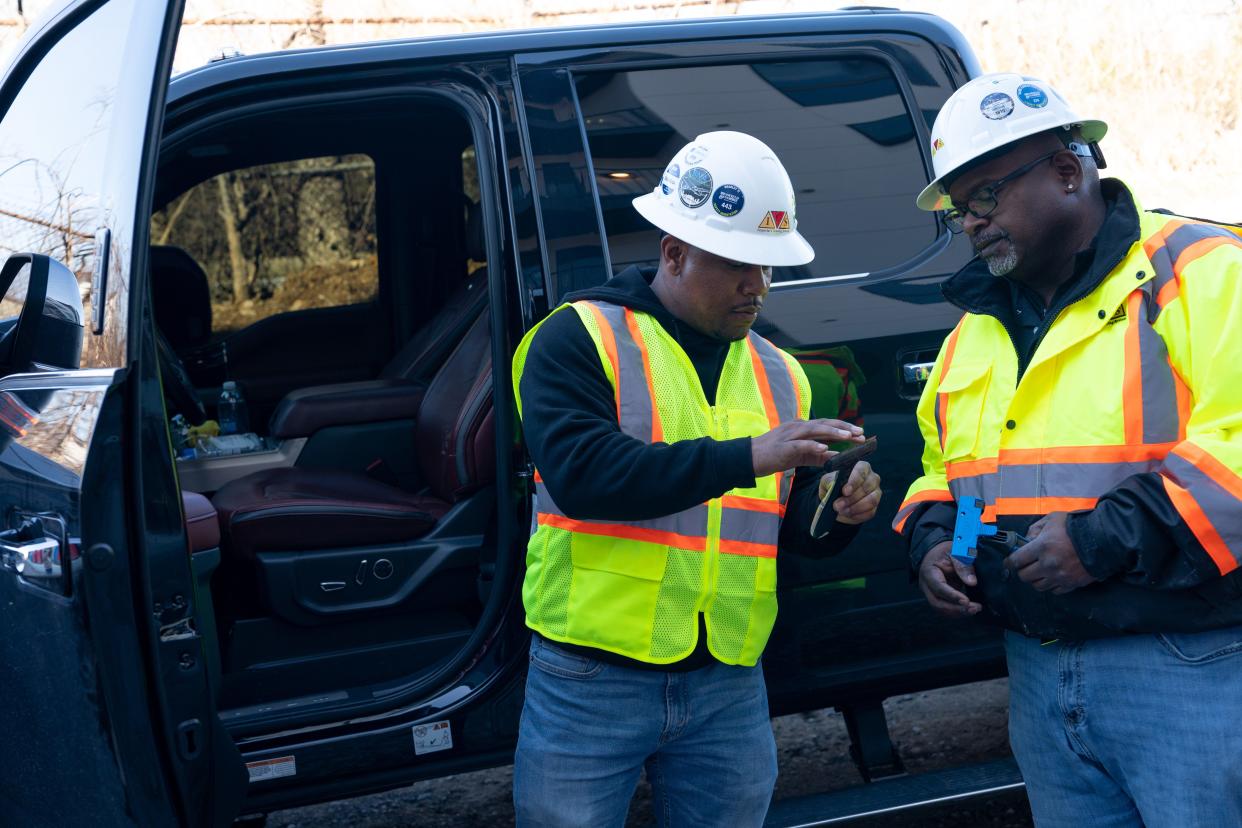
(916, 371)
(27, 551)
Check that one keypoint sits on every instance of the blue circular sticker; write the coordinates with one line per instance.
(695, 187)
(728, 200)
(669, 180)
(996, 106)
(1032, 96)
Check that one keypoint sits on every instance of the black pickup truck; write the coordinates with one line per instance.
(194, 627)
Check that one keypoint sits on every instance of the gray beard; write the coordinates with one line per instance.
(1003, 265)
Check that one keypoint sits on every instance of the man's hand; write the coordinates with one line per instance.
(799, 443)
(943, 579)
(859, 498)
(1049, 560)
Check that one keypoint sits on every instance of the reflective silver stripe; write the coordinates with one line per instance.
(636, 400)
(749, 526)
(981, 486)
(691, 522)
(1218, 504)
(1164, 258)
(780, 380)
(1048, 480)
(1066, 479)
(1159, 393)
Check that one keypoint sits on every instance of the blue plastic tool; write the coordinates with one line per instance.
(970, 530)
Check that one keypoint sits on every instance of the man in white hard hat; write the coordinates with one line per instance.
(1090, 402)
(665, 434)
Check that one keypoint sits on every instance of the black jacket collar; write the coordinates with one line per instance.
(975, 290)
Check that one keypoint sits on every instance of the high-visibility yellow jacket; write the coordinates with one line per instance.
(1132, 400)
(636, 588)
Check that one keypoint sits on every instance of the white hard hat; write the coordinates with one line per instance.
(727, 193)
(990, 112)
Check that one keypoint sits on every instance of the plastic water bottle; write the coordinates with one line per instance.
(231, 412)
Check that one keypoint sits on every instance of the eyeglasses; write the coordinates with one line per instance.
(982, 202)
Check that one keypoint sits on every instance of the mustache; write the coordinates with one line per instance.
(982, 242)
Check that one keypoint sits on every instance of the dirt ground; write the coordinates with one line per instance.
(931, 730)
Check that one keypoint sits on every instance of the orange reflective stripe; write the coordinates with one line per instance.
(752, 504)
(1152, 246)
(1086, 454)
(1202, 248)
(765, 390)
(747, 548)
(970, 468)
(1167, 293)
(942, 400)
(610, 348)
(1201, 526)
(657, 428)
(907, 508)
(1175, 246)
(1132, 389)
(625, 532)
(1221, 474)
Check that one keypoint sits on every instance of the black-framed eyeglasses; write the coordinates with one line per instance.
(982, 201)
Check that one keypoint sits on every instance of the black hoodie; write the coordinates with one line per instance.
(594, 471)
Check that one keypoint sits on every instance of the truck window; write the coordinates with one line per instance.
(279, 237)
(840, 126)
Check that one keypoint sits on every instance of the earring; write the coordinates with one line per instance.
(1069, 188)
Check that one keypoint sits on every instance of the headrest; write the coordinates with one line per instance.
(181, 297)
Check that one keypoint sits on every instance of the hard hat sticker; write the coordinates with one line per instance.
(696, 154)
(695, 187)
(728, 200)
(1032, 96)
(996, 106)
(937, 145)
(669, 181)
(775, 221)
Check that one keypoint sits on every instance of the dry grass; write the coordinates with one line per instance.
(1163, 74)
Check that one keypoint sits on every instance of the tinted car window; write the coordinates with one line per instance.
(69, 144)
(279, 237)
(840, 126)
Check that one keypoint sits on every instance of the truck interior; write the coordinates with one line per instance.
(330, 257)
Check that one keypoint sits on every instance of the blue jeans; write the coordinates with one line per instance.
(1137, 730)
(589, 728)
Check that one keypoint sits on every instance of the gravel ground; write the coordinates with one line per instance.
(932, 730)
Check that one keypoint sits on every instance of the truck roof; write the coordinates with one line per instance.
(492, 44)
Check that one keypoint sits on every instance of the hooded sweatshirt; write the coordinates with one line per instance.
(595, 472)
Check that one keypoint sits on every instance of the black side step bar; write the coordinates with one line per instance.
(896, 794)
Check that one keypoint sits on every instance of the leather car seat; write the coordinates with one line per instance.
(335, 515)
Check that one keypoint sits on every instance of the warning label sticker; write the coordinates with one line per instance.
(265, 769)
(775, 220)
(429, 738)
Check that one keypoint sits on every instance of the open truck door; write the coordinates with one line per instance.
(106, 706)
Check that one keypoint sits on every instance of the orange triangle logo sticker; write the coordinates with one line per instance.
(775, 220)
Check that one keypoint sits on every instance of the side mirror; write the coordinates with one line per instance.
(46, 333)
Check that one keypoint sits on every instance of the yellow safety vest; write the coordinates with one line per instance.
(1144, 374)
(636, 588)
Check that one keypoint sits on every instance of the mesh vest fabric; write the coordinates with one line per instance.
(636, 588)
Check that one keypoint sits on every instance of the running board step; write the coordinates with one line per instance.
(895, 794)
